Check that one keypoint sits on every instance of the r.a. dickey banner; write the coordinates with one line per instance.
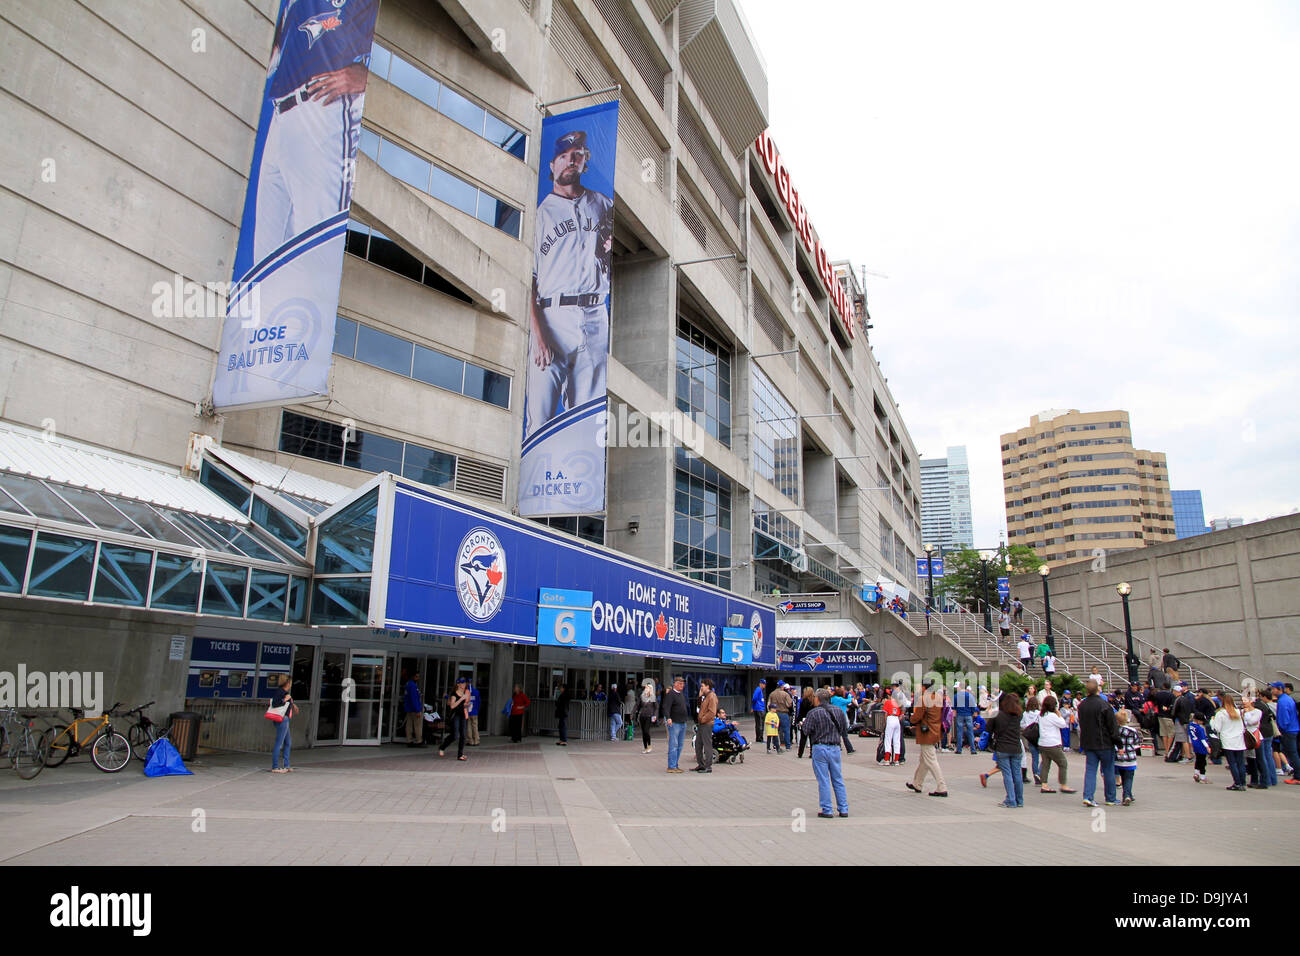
(278, 335)
(562, 465)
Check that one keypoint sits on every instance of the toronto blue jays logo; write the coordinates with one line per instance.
(787, 607)
(756, 625)
(481, 574)
(318, 25)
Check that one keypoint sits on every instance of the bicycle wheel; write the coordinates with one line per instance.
(60, 744)
(29, 755)
(111, 752)
(141, 740)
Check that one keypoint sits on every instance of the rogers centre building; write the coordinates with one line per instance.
(290, 384)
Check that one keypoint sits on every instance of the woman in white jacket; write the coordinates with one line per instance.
(1227, 723)
(1050, 725)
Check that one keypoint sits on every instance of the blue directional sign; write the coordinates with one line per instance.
(737, 646)
(564, 618)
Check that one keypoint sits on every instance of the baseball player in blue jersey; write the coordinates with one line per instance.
(317, 77)
(570, 315)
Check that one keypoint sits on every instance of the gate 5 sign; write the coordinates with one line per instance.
(737, 646)
(564, 618)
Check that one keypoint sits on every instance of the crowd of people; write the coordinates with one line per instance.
(1253, 735)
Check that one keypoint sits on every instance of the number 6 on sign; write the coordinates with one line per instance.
(563, 618)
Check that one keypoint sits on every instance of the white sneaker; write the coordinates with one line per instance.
(647, 750)
(1196, 775)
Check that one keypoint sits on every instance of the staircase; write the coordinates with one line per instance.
(1091, 648)
(966, 630)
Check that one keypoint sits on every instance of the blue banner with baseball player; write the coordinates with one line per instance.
(456, 569)
(562, 466)
(277, 339)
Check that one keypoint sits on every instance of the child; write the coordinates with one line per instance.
(1126, 752)
(1200, 741)
(772, 729)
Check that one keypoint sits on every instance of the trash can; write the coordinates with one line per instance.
(184, 733)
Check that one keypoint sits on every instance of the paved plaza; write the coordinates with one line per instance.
(600, 802)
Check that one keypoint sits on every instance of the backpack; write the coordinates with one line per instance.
(1030, 733)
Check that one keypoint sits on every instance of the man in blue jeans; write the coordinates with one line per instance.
(614, 710)
(824, 726)
(758, 707)
(1098, 733)
(676, 713)
(964, 706)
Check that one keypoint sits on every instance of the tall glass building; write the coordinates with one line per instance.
(1189, 514)
(945, 500)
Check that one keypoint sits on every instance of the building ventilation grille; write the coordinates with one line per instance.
(770, 323)
(480, 478)
(635, 46)
(709, 241)
(696, 143)
(633, 134)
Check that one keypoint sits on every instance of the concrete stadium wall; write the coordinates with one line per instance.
(1233, 595)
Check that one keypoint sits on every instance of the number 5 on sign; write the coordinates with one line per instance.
(737, 646)
(563, 618)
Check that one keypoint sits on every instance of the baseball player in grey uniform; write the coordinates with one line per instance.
(570, 312)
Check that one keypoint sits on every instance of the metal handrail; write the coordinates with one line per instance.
(979, 633)
(1199, 677)
(1083, 653)
(1239, 670)
(1287, 674)
(955, 637)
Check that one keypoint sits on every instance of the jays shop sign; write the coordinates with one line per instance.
(456, 569)
(830, 661)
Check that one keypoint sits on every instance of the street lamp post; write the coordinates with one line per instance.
(929, 574)
(1047, 607)
(985, 558)
(1125, 589)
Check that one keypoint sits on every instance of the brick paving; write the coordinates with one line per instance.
(603, 802)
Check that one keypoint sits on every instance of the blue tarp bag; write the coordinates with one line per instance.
(164, 760)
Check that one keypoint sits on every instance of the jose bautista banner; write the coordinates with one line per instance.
(456, 569)
(278, 335)
(562, 466)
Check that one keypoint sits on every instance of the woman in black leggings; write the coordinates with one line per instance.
(647, 710)
(457, 701)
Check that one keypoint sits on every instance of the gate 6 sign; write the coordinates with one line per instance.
(563, 618)
(737, 646)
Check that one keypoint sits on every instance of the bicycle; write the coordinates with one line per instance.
(27, 750)
(144, 733)
(109, 750)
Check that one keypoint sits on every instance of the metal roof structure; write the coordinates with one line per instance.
(278, 478)
(46, 456)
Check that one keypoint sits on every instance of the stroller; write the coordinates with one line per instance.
(729, 743)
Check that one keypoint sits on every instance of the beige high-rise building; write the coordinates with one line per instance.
(1075, 486)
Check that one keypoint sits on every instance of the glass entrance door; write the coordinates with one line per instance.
(363, 701)
(329, 710)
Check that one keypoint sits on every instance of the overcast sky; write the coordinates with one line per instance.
(1094, 206)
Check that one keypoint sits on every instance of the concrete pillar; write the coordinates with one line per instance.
(1249, 611)
(502, 684)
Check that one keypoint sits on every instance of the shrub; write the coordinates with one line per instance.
(1016, 682)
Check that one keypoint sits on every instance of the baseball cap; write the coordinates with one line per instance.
(573, 140)
(462, 680)
(1278, 684)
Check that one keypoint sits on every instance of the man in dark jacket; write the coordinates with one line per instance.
(1099, 732)
(614, 711)
(1182, 714)
(562, 715)
(676, 712)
